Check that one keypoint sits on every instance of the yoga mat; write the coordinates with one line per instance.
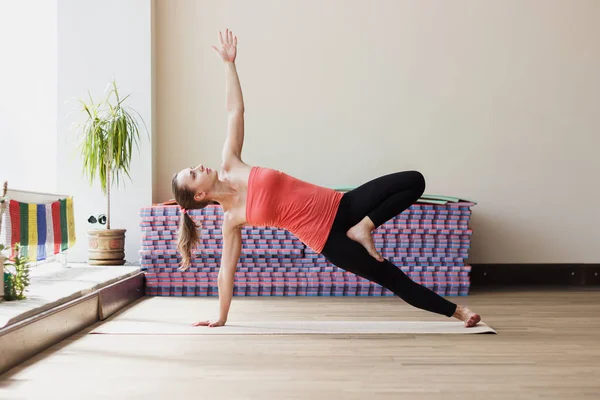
(299, 327)
(450, 199)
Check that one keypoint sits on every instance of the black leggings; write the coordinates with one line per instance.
(381, 199)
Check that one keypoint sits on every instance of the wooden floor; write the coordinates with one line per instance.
(547, 346)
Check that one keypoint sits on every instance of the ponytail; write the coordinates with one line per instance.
(187, 240)
(188, 236)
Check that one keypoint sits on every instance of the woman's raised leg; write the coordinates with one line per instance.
(350, 244)
(373, 203)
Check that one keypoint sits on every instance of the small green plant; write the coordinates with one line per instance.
(2, 210)
(16, 278)
(2, 260)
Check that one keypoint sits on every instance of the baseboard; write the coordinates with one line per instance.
(535, 274)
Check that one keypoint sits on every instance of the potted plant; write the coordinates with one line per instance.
(108, 136)
(2, 248)
(2, 261)
(17, 280)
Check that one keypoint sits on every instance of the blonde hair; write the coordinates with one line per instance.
(188, 235)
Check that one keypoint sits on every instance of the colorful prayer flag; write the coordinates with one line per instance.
(70, 222)
(41, 229)
(32, 231)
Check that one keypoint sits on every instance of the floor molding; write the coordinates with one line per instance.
(24, 339)
(535, 274)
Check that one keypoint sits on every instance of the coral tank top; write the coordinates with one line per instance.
(282, 201)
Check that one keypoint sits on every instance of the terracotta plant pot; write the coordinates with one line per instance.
(106, 247)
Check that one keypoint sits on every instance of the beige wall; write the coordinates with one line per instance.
(498, 101)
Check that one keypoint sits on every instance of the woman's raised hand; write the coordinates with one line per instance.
(228, 50)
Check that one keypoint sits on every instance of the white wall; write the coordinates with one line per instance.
(28, 94)
(99, 40)
(498, 101)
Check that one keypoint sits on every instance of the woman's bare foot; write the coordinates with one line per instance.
(469, 317)
(361, 233)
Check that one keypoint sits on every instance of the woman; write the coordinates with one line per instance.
(336, 225)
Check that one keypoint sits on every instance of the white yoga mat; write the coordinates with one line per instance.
(124, 327)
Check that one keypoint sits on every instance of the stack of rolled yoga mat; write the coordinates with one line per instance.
(429, 241)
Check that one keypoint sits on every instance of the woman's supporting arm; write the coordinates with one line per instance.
(232, 248)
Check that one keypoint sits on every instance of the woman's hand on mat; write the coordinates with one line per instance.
(228, 49)
(219, 322)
